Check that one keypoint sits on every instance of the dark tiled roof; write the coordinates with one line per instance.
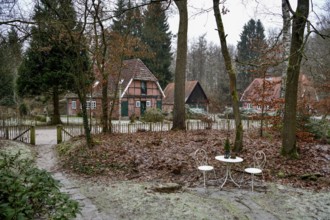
(169, 91)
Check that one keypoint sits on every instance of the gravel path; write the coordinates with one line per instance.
(46, 140)
(129, 200)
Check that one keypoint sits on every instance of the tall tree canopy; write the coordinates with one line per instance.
(127, 19)
(156, 34)
(252, 39)
(47, 65)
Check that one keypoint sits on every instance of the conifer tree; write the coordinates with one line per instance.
(47, 65)
(128, 19)
(252, 39)
(156, 34)
(119, 17)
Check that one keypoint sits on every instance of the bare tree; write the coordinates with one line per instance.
(285, 41)
(289, 147)
(179, 119)
(238, 145)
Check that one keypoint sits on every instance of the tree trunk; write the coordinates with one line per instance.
(105, 105)
(289, 148)
(238, 145)
(56, 118)
(82, 99)
(179, 114)
(286, 42)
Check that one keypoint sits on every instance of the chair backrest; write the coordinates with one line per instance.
(200, 157)
(259, 159)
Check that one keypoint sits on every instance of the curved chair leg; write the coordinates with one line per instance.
(204, 179)
(252, 178)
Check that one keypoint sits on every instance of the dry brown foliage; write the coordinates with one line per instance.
(168, 157)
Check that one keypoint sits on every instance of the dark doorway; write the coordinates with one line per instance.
(143, 107)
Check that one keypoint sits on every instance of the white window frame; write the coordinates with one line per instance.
(148, 103)
(88, 105)
(74, 104)
(93, 105)
(138, 104)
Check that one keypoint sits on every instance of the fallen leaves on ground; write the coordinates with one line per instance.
(168, 157)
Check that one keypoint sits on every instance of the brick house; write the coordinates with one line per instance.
(195, 96)
(138, 90)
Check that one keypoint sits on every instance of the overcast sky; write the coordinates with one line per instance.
(240, 12)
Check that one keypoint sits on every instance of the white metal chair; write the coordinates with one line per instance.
(201, 159)
(259, 161)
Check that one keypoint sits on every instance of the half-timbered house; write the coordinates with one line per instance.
(137, 89)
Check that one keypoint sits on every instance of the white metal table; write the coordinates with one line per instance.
(229, 162)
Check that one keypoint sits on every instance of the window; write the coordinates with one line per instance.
(148, 103)
(138, 104)
(143, 87)
(93, 105)
(73, 104)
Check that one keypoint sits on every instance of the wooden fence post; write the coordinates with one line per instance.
(33, 135)
(59, 134)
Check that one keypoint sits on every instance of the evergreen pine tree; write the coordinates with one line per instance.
(156, 34)
(251, 42)
(128, 19)
(48, 60)
(119, 25)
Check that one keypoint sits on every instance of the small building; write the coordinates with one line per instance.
(268, 91)
(137, 90)
(195, 96)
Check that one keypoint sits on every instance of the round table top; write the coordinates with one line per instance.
(229, 160)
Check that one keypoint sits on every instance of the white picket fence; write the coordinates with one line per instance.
(126, 127)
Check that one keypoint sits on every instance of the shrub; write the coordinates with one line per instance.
(320, 129)
(153, 115)
(40, 118)
(23, 109)
(29, 193)
(132, 118)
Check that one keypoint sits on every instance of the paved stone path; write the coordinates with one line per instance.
(46, 140)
